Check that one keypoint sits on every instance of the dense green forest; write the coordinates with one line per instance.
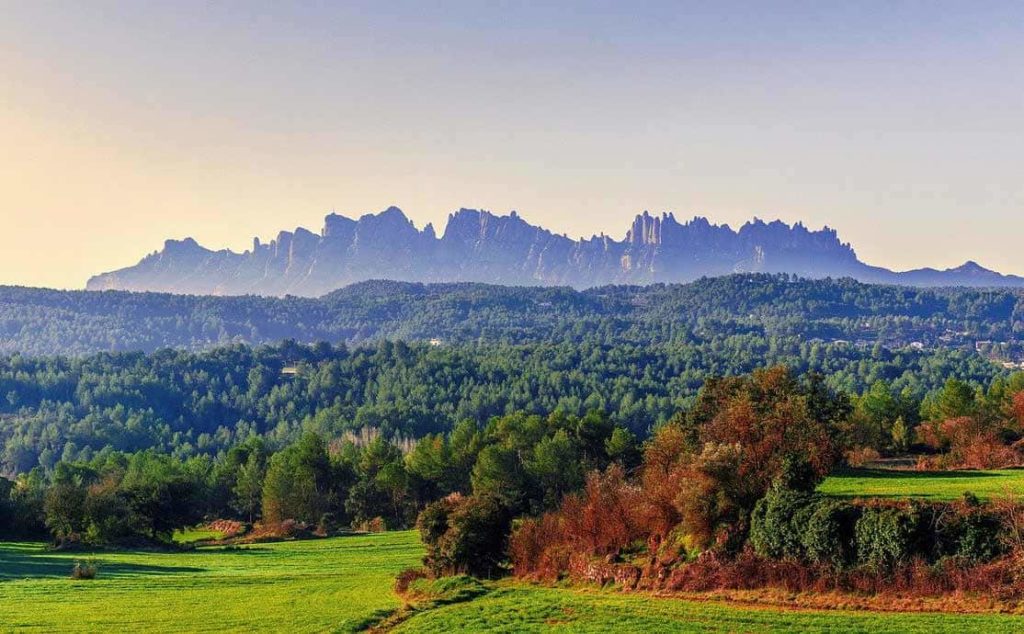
(530, 462)
(192, 403)
(39, 321)
(720, 496)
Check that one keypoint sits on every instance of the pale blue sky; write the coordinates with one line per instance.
(897, 123)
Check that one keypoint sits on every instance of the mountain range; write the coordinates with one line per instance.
(478, 246)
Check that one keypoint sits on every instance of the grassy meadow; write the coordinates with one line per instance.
(345, 583)
(511, 607)
(930, 485)
(195, 535)
(332, 585)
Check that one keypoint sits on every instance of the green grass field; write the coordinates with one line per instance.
(343, 583)
(193, 535)
(932, 485)
(307, 586)
(520, 608)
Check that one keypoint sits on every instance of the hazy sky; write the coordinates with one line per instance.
(901, 124)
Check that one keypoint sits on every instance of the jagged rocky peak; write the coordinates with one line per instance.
(471, 226)
(781, 234)
(464, 225)
(184, 246)
(653, 230)
(646, 229)
(391, 219)
(478, 245)
(337, 225)
(390, 216)
(283, 239)
(304, 241)
(391, 213)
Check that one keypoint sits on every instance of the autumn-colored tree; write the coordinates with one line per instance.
(968, 442)
(607, 515)
(1017, 408)
(701, 473)
(663, 475)
(771, 416)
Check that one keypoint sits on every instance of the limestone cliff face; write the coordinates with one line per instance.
(479, 246)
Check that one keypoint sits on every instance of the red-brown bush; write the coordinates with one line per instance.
(407, 577)
(999, 579)
(968, 443)
(537, 548)
(603, 519)
(860, 456)
(608, 515)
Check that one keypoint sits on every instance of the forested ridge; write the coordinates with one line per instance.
(190, 403)
(48, 322)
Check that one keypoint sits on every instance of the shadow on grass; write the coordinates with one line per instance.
(35, 563)
(893, 474)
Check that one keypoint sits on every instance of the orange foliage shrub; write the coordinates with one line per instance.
(608, 515)
(538, 549)
(406, 578)
(861, 456)
(603, 519)
(968, 444)
(662, 478)
(227, 528)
